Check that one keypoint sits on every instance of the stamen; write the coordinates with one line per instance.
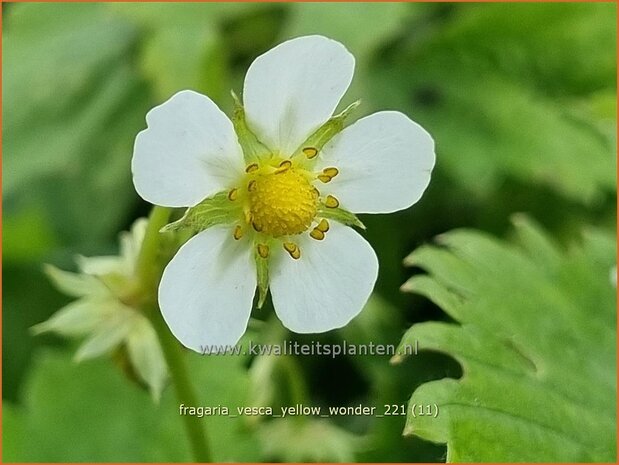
(251, 187)
(263, 250)
(256, 226)
(331, 171)
(233, 194)
(317, 234)
(310, 152)
(293, 250)
(324, 178)
(238, 232)
(251, 168)
(323, 226)
(284, 166)
(332, 202)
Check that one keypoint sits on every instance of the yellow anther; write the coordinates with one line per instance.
(283, 166)
(332, 202)
(317, 234)
(323, 226)
(238, 232)
(293, 250)
(251, 168)
(310, 152)
(233, 194)
(331, 171)
(324, 178)
(256, 226)
(251, 187)
(263, 250)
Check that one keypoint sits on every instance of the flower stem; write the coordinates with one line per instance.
(185, 393)
(149, 268)
(296, 380)
(298, 391)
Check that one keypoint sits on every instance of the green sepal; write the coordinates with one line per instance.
(262, 271)
(325, 133)
(210, 212)
(340, 215)
(253, 149)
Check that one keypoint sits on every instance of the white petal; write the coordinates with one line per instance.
(75, 284)
(328, 286)
(76, 319)
(131, 243)
(293, 88)
(384, 162)
(146, 356)
(207, 290)
(188, 152)
(108, 335)
(99, 266)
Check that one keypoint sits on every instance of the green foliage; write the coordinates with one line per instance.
(27, 236)
(536, 340)
(361, 36)
(391, 384)
(71, 105)
(510, 91)
(184, 47)
(88, 412)
(521, 101)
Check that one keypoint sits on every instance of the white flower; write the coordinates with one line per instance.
(273, 192)
(103, 311)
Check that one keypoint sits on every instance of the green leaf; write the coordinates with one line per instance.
(536, 340)
(381, 322)
(88, 412)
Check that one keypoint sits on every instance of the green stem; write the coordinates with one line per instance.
(149, 268)
(296, 380)
(173, 353)
(275, 334)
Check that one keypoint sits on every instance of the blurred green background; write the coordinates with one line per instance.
(520, 99)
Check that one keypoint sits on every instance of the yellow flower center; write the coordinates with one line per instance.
(278, 200)
(282, 202)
